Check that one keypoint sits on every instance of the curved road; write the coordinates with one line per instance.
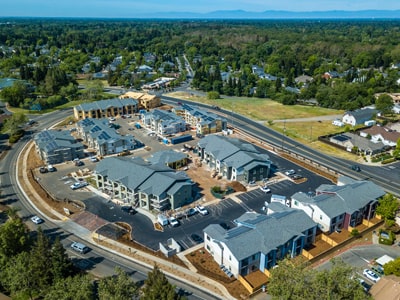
(99, 261)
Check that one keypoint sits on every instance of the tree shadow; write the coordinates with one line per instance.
(8, 201)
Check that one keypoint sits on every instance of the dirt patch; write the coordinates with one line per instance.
(205, 265)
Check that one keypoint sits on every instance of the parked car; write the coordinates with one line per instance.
(191, 212)
(196, 238)
(202, 210)
(93, 159)
(174, 222)
(252, 183)
(265, 189)
(43, 170)
(128, 209)
(290, 172)
(37, 220)
(78, 185)
(51, 168)
(371, 275)
(78, 163)
(366, 287)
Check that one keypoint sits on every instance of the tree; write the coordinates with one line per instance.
(384, 103)
(40, 268)
(14, 239)
(71, 288)
(118, 287)
(392, 267)
(15, 94)
(294, 280)
(387, 207)
(157, 287)
(213, 95)
(12, 213)
(16, 278)
(61, 265)
(13, 124)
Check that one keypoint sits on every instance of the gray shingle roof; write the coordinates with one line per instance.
(104, 104)
(166, 157)
(261, 233)
(233, 152)
(136, 174)
(362, 115)
(335, 200)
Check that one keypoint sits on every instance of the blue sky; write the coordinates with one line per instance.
(134, 8)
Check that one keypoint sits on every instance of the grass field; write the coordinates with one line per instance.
(273, 114)
(261, 109)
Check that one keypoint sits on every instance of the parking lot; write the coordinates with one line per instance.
(221, 212)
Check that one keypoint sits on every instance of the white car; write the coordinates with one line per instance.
(78, 185)
(37, 220)
(371, 275)
(202, 210)
(173, 221)
(265, 189)
(93, 159)
(290, 172)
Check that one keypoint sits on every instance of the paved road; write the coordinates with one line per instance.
(99, 261)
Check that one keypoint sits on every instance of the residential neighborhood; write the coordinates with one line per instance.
(238, 159)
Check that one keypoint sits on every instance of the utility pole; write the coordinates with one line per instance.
(284, 132)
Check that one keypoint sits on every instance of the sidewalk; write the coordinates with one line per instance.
(189, 275)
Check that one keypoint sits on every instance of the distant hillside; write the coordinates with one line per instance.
(274, 14)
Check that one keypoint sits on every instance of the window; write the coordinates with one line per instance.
(320, 217)
(296, 203)
(208, 238)
(230, 257)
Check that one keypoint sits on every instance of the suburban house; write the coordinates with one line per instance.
(171, 158)
(359, 116)
(106, 108)
(104, 140)
(163, 122)
(57, 146)
(349, 140)
(343, 206)
(146, 101)
(203, 121)
(234, 159)
(259, 241)
(303, 79)
(143, 184)
(385, 135)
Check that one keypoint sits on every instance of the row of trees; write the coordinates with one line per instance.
(49, 53)
(33, 267)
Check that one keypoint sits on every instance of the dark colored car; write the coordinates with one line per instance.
(196, 238)
(355, 168)
(128, 209)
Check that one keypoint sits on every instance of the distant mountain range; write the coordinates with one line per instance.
(277, 14)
